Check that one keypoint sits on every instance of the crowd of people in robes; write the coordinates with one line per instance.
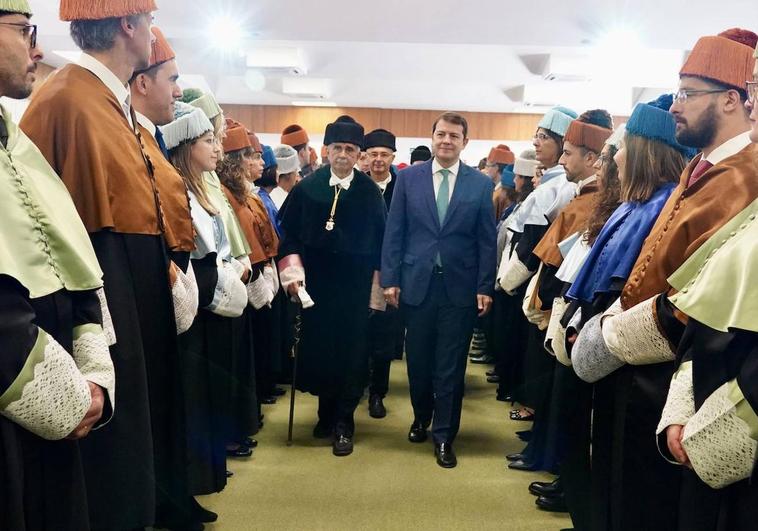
(160, 267)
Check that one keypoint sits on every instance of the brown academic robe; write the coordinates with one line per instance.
(133, 464)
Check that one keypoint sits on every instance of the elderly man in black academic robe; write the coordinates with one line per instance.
(333, 224)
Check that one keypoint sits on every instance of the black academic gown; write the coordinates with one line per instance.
(717, 358)
(339, 267)
(144, 445)
(384, 327)
(41, 482)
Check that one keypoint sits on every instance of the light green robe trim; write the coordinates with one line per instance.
(37, 355)
(237, 240)
(718, 284)
(43, 242)
(92, 328)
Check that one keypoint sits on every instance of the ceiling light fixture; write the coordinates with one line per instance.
(227, 34)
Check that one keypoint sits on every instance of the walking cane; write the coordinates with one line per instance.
(293, 390)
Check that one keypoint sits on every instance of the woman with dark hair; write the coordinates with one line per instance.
(240, 171)
(208, 345)
(509, 324)
(649, 165)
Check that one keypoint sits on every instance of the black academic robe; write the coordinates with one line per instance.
(717, 358)
(41, 482)
(144, 445)
(339, 266)
(208, 349)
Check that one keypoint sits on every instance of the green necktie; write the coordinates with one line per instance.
(443, 201)
(443, 195)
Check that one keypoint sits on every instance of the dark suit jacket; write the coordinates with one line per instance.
(466, 240)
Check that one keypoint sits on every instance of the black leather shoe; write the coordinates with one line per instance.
(250, 442)
(526, 466)
(322, 430)
(546, 488)
(493, 379)
(483, 359)
(229, 474)
(515, 457)
(342, 446)
(417, 433)
(201, 514)
(491, 372)
(445, 455)
(241, 451)
(278, 391)
(376, 407)
(268, 400)
(555, 504)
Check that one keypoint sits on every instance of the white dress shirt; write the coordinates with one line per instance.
(344, 183)
(383, 184)
(437, 176)
(109, 79)
(729, 148)
(585, 182)
(145, 122)
(278, 195)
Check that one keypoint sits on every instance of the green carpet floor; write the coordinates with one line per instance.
(388, 482)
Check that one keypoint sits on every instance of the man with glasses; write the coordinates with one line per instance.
(641, 328)
(84, 124)
(333, 224)
(56, 376)
(384, 327)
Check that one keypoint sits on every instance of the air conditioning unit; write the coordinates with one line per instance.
(277, 61)
(301, 88)
(563, 68)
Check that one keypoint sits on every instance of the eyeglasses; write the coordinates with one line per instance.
(541, 137)
(682, 95)
(752, 91)
(604, 159)
(29, 31)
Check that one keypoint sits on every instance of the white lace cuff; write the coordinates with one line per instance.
(590, 357)
(680, 403)
(555, 338)
(291, 270)
(717, 439)
(259, 292)
(634, 336)
(185, 295)
(50, 397)
(108, 329)
(516, 273)
(93, 358)
(230, 296)
(272, 278)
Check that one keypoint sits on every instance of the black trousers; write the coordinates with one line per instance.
(383, 338)
(437, 343)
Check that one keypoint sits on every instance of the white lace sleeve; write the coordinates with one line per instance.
(93, 359)
(514, 275)
(186, 299)
(634, 336)
(259, 292)
(718, 439)
(680, 403)
(108, 329)
(49, 397)
(590, 357)
(230, 295)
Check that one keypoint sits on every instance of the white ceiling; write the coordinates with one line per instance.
(415, 54)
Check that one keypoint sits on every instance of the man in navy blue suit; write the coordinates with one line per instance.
(438, 261)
